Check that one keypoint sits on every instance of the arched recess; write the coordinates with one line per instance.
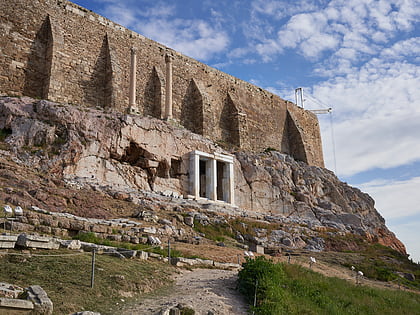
(296, 144)
(233, 123)
(154, 102)
(38, 69)
(193, 108)
(98, 90)
(229, 122)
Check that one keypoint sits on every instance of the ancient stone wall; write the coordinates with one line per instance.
(57, 50)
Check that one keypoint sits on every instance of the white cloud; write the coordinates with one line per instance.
(121, 14)
(195, 38)
(402, 49)
(320, 28)
(280, 9)
(408, 232)
(395, 199)
(376, 116)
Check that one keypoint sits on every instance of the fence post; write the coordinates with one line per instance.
(169, 251)
(255, 294)
(92, 278)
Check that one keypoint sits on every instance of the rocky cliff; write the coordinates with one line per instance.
(66, 158)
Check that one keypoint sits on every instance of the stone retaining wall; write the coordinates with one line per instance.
(57, 50)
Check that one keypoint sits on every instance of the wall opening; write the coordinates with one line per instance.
(221, 181)
(175, 170)
(211, 176)
(163, 169)
(38, 69)
(203, 179)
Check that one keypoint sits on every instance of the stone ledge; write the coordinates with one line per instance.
(17, 304)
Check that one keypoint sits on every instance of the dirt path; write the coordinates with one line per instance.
(202, 289)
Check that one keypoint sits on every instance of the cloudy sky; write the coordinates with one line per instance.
(360, 57)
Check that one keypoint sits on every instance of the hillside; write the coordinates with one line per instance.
(75, 169)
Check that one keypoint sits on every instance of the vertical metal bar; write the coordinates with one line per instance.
(169, 251)
(255, 295)
(92, 278)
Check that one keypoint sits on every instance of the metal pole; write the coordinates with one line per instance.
(92, 278)
(255, 295)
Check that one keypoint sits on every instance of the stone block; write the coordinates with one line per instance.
(226, 265)
(189, 221)
(152, 240)
(142, 255)
(35, 241)
(127, 253)
(148, 230)
(8, 290)
(126, 238)
(8, 241)
(71, 244)
(39, 298)
(8, 305)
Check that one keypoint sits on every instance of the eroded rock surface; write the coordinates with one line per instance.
(81, 147)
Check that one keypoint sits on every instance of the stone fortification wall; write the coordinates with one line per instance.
(57, 50)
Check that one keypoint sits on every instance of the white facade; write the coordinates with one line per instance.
(211, 176)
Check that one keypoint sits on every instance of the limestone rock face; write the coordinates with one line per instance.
(125, 153)
(280, 185)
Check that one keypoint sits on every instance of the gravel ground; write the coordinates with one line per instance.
(203, 290)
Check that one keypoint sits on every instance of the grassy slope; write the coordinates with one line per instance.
(66, 279)
(292, 289)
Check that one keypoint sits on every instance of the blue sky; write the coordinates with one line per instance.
(360, 57)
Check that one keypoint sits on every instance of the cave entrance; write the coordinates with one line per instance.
(211, 176)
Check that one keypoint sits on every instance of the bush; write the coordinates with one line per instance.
(259, 281)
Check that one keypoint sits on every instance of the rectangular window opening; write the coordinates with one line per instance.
(221, 181)
(203, 179)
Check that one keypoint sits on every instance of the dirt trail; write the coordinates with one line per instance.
(202, 289)
(215, 290)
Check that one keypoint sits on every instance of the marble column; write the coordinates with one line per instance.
(195, 174)
(231, 188)
(133, 70)
(168, 93)
(211, 179)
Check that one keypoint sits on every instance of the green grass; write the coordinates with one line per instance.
(292, 289)
(66, 279)
(214, 232)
